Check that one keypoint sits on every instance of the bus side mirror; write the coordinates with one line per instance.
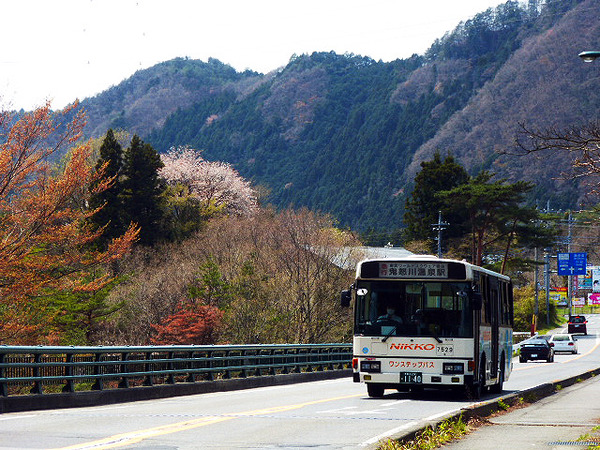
(345, 299)
(476, 301)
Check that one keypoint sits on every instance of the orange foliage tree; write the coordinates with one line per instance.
(44, 234)
(192, 323)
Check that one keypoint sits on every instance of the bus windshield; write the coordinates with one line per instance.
(413, 308)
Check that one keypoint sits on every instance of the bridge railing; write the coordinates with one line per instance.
(39, 370)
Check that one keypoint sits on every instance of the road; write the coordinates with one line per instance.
(335, 414)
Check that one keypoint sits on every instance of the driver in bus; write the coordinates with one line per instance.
(391, 315)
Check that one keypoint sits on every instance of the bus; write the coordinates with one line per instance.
(426, 322)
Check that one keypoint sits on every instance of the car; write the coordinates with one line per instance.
(563, 343)
(562, 303)
(535, 349)
(577, 324)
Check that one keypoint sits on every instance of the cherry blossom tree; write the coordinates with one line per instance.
(216, 184)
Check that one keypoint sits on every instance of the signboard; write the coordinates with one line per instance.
(581, 282)
(593, 299)
(558, 293)
(413, 270)
(572, 263)
(578, 302)
(595, 280)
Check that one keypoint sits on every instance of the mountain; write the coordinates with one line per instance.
(345, 134)
(141, 103)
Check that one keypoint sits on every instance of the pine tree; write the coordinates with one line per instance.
(494, 209)
(110, 217)
(423, 205)
(143, 190)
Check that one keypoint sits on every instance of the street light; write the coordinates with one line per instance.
(589, 56)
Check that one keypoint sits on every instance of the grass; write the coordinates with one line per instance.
(592, 439)
(449, 430)
(432, 437)
(502, 405)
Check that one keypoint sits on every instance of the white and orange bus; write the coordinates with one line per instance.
(424, 322)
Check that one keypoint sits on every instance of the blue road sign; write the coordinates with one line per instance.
(572, 263)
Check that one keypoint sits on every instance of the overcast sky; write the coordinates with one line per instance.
(61, 50)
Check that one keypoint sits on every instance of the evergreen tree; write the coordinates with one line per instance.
(143, 190)
(110, 217)
(493, 209)
(423, 205)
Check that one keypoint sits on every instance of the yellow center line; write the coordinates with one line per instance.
(275, 409)
(134, 437)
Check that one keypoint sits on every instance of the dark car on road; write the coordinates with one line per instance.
(534, 349)
(577, 324)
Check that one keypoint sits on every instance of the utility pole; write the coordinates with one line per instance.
(536, 282)
(570, 277)
(439, 227)
(547, 282)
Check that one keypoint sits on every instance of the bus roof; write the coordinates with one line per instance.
(430, 258)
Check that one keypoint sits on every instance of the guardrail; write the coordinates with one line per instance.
(40, 370)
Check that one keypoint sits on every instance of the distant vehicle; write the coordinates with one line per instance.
(563, 343)
(536, 349)
(562, 303)
(577, 324)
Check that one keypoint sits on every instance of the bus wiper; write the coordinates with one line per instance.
(436, 337)
(387, 336)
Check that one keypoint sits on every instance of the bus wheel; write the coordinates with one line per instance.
(497, 388)
(476, 390)
(375, 390)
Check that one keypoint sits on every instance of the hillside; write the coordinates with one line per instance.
(345, 134)
(143, 102)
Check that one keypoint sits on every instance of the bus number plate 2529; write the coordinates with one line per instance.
(411, 377)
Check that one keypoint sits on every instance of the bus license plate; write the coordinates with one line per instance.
(411, 377)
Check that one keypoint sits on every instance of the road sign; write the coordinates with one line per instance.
(572, 263)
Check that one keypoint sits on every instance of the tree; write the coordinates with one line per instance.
(109, 202)
(80, 315)
(583, 143)
(44, 233)
(423, 205)
(493, 209)
(213, 183)
(192, 323)
(306, 248)
(142, 190)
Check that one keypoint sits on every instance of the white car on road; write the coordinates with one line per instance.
(563, 343)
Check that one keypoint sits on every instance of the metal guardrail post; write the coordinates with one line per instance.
(124, 383)
(170, 365)
(149, 369)
(37, 385)
(70, 384)
(3, 385)
(98, 384)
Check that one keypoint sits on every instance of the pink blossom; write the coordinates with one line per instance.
(217, 183)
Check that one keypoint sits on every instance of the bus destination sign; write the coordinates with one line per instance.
(413, 270)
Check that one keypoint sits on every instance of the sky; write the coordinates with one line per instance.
(62, 50)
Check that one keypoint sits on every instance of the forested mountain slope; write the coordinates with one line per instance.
(543, 84)
(345, 134)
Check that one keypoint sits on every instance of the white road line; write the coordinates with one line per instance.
(435, 416)
(388, 433)
(18, 417)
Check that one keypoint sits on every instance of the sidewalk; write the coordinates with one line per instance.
(554, 422)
